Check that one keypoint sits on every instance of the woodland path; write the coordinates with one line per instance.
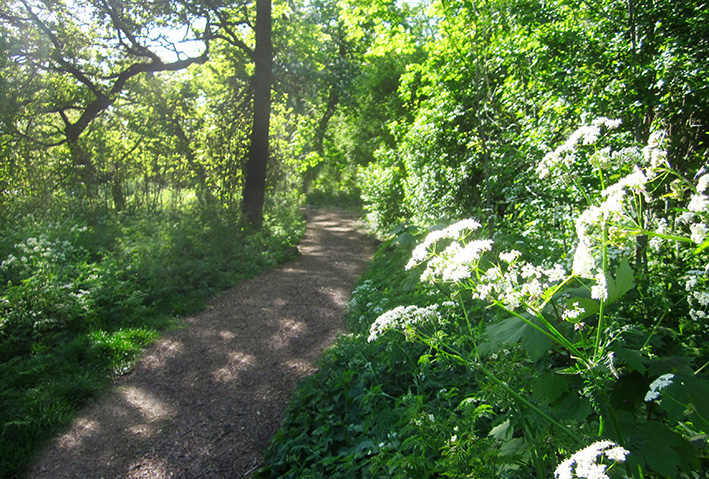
(205, 399)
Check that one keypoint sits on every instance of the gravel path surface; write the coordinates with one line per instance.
(205, 399)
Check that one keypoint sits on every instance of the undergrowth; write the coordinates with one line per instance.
(492, 357)
(80, 296)
(383, 409)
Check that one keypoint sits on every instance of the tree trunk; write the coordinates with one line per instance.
(83, 169)
(255, 184)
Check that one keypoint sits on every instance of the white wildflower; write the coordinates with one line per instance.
(600, 290)
(686, 217)
(584, 263)
(602, 158)
(655, 243)
(420, 252)
(483, 291)
(691, 283)
(586, 461)
(404, 318)
(626, 156)
(589, 134)
(635, 181)
(662, 227)
(702, 183)
(557, 273)
(455, 262)
(550, 159)
(657, 385)
(698, 203)
(529, 270)
(454, 231)
(607, 122)
(655, 156)
(590, 216)
(613, 204)
(702, 298)
(510, 256)
(533, 289)
(699, 232)
(573, 313)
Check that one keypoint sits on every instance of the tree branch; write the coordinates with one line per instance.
(226, 26)
(101, 103)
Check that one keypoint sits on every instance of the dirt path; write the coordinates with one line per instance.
(205, 399)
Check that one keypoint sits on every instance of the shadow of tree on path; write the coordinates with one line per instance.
(205, 399)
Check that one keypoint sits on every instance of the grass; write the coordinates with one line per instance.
(81, 297)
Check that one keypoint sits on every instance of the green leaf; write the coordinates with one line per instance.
(503, 431)
(590, 307)
(514, 330)
(632, 358)
(624, 281)
(701, 247)
(687, 397)
(664, 451)
(629, 391)
(549, 387)
(573, 407)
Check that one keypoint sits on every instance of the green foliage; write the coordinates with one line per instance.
(385, 410)
(590, 360)
(80, 299)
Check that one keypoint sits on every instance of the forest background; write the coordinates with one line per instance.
(569, 315)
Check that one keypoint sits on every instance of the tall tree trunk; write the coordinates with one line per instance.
(83, 168)
(255, 184)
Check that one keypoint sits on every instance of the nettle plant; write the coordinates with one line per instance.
(603, 377)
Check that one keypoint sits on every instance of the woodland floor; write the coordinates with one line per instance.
(205, 399)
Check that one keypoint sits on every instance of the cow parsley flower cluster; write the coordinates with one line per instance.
(564, 154)
(585, 463)
(697, 286)
(37, 252)
(519, 283)
(457, 232)
(658, 385)
(698, 210)
(403, 318)
(456, 262)
(654, 154)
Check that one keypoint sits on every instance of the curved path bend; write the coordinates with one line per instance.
(205, 399)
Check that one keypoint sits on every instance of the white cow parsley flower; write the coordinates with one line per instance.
(585, 461)
(658, 385)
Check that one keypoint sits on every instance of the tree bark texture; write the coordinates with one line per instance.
(255, 184)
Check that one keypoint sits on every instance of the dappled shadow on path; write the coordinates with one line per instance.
(205, 399)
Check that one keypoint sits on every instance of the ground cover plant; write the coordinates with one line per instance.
(490, 360)
(81, 297)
